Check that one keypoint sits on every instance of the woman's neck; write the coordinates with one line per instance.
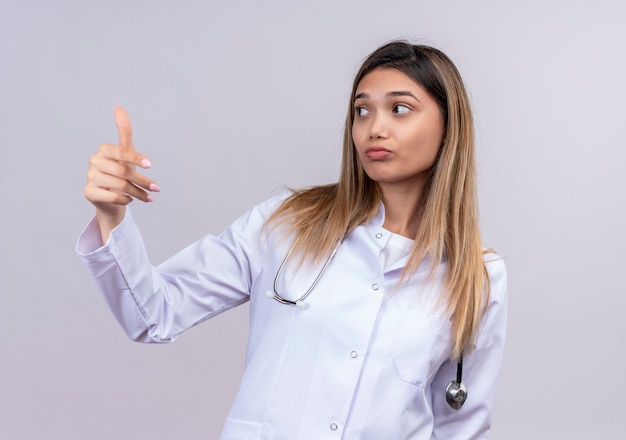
(401, 204)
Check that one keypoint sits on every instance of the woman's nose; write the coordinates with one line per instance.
(378, 128)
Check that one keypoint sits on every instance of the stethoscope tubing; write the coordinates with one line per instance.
(300, 301)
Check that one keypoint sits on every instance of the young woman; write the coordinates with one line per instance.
(365, 295)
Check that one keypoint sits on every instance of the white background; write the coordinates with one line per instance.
(231, 100)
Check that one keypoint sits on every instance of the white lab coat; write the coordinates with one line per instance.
(366, 360)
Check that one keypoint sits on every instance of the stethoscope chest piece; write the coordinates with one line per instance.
(456, 394)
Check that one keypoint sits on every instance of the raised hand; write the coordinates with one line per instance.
(112, 179)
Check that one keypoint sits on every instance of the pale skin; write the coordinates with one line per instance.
(397, 131)
(112, 179)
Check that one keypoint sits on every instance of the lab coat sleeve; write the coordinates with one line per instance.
(480, 370)
(157, 304)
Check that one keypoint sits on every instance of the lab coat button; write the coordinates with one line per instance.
(333, 426)
(354, 354)
(379, 235)
(374, 286)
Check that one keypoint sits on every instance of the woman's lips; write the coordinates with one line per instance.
(377, 153)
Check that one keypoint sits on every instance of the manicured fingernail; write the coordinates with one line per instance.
(145, 163)
(154, 187)
(150, 199)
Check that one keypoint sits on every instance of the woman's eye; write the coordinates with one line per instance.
(400, 109)
(361, 111)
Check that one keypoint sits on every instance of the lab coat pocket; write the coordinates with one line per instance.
(420, 352)
(241, 429)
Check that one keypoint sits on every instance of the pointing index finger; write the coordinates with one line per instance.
(124, 129)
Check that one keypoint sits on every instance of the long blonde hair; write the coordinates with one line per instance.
(448, 231)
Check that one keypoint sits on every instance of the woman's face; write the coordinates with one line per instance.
(397, 129)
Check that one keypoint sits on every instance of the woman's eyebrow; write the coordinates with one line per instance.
(403, 93)
(363, 95)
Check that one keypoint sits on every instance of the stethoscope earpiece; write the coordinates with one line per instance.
(302, 305)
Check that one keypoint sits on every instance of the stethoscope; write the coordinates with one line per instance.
(300, 301)
(456, 392)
